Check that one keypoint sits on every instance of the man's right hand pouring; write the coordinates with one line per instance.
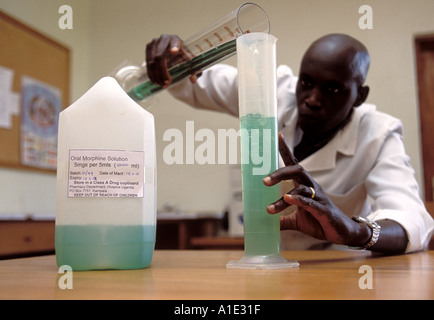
(163, 53)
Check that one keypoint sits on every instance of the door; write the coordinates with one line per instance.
(424, 46)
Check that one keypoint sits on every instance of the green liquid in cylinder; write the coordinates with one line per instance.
(88, 247)
(259, 140)
(185, 69)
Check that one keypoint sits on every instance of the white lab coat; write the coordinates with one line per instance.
(364, 169)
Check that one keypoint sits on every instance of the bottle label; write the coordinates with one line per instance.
(105, 173)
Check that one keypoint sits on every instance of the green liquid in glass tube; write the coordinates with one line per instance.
(185, 69)
(261, 229)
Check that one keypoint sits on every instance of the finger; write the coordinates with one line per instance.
(194, 77)
(155, 63)
(285, 152)
(304, 191)
(281, 204)
(294, 172)
(162, 75)
(178, 48)
(277, 206)
(175, 45)
(298, 200)
(163, 48)
(150, 64)
(279, 175)
(164, 45)
(315, 208)
(179, 53)
(289, 160)
(160, 54)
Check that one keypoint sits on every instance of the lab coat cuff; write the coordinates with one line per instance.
(418, 237)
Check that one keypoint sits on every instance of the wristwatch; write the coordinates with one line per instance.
(375, 227)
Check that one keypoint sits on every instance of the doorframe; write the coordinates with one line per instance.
(420, 42)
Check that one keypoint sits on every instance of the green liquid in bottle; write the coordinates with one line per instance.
(185, 69)
(261, 229)
(88, 247)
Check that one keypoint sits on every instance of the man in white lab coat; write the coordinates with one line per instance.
(353, 184)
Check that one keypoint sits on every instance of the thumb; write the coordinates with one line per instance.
(287, 156)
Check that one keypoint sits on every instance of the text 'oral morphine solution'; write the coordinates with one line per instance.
(106, 182)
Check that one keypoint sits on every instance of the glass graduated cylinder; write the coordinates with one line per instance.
(208, 46)
(185, 69)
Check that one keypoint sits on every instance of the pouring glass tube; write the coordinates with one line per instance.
(208, 47)
(256, 56)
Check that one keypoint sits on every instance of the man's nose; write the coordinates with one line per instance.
(314, 99)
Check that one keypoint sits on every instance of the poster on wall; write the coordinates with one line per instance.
(41, 105)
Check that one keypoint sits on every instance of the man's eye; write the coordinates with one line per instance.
(333, 90)
(306, 83)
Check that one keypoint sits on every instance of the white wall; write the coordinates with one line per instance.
(108, 31)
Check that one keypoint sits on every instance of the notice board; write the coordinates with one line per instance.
(34, 87)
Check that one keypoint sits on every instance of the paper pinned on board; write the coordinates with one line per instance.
(9, 100)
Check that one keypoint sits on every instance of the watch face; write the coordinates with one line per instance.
(363, 220)
(375, 227)
(359, 219)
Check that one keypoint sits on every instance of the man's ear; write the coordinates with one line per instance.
(362, 95)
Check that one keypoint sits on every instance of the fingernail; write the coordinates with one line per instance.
(270, 208)
(267, 180)
(287, 197)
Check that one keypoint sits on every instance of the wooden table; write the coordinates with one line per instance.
(26, 237)
(202, 275)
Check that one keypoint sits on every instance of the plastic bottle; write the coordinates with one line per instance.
(106, 182)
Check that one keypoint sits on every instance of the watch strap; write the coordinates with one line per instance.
(375, 227)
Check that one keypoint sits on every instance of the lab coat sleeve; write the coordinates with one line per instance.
(216, 89)
(395, 193)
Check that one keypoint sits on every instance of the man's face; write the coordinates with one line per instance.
(326, 92)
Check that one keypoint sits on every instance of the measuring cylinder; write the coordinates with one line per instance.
(208, 47)
(256, 56)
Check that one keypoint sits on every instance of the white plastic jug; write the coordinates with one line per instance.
(106, 182)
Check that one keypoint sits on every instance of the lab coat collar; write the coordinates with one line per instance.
(344, 142)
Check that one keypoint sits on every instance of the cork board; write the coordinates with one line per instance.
(34, 60)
